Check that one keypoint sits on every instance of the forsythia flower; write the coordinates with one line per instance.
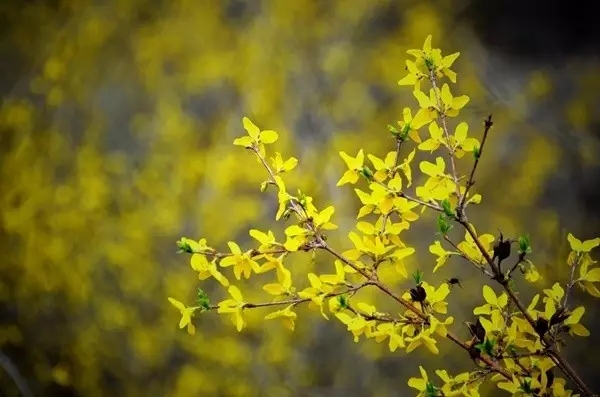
(283, 166)
(357, 325)
(409, 125)
(493, 302)
(442, 255)
(436, 139)
(355, 165)
(186, 315)
(471, 250)
(287, 315)
(442, 102)
(242, 262)
(460, 143)
(234, 306)
(255, 137)
(586, 246)
(428, 62)
(207, 269)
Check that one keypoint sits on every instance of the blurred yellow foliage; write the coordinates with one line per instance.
(115, 140)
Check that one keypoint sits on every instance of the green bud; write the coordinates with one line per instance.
(486, 347)
(203, 300)
(431, 390)
(404, 133)
(524, 244)
(447, 208)
(476, 152)
(418, 277)
(184, 246)
(366, 173)
(429, 63)
(443, 225)
(343, 301)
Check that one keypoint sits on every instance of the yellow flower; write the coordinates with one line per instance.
(405, 167)
(207, 269)
(358, 325)
(335, 279)
(493, 302)
(355, 165)
(422, 384)
(442, 255)
(369, 203)
(471, 250)
(282, 197)
(255, 135)
(436, 139)
(573, 323)
(460, 142)
(266, 240)
(390, 232)
(409, 126)
(283, 285)
(186, 315)
(447, 104)
(316, 293)
(383, 168)
(321, 219)
(422, 338)
(586, 246)
(234, 306)
(242, 262)
(428, 61)
(389, 331)
(451, 105)
(436, 297)
(439, 185)
(283, 166)
(287, 315)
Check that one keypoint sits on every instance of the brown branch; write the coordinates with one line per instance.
(558, 359)
(385, 289)
(470, 182)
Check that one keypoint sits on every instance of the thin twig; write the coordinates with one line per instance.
(385, 289)
(470, 182)
(12, 371)
(462, 254)
(558, 359)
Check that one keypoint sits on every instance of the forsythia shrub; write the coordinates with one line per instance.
(515, 344)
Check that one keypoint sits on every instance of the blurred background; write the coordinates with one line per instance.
(116, 129)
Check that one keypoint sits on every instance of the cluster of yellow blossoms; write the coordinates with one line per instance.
(513, 345)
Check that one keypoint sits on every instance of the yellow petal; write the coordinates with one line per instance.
(252, 129)
(268, 136)
(460, 133)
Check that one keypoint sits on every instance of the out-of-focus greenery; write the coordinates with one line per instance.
(115, 139)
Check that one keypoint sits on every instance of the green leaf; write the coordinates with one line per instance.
(526, 386)
(430, 390)
(418, 277)
(393, 130)
(524, 244)
(343, 301)
(486, 346)
(184, 246)
(366, 173)
(476, 152)
(203, 300)
(447, 208)
(443, 225)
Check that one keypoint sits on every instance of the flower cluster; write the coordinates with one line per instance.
(514, 345)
